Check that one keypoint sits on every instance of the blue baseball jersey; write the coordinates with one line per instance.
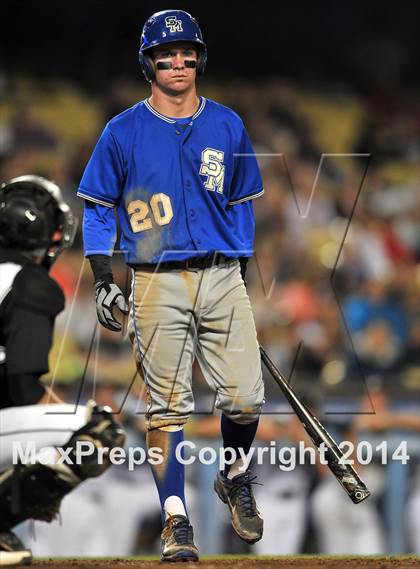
(174, 183)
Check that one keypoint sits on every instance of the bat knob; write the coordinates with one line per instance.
(355, 489)
(359, 495)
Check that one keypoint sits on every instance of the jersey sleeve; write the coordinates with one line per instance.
(34, 302)
(103, 177)
(22, 389)
(29, 342)
(246, 182)
(35, 290)
(99, 229)
(244, 223)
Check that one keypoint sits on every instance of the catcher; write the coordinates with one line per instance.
(35, 226)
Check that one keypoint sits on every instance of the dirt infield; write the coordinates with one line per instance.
(240, 562)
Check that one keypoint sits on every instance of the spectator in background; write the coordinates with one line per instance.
(376, 302)
(412, 520)
(378, 348)
(283, 498)
(412, 351)
(341, 527)
(28, 131)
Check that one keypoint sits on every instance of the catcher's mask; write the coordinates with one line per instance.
(34, 217)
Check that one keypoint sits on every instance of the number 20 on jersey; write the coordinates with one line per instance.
(144, 215)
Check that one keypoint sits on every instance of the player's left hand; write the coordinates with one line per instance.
(108, 295)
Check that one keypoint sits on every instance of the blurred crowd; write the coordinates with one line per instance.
(334, 289)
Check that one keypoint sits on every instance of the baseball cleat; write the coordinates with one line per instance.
(178, 540)
(12, 550)
(238, 495)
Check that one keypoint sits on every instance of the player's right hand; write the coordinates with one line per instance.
(108, 295)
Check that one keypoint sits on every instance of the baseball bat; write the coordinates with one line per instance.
(345, 473)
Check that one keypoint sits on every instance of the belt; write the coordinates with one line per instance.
(193, 263)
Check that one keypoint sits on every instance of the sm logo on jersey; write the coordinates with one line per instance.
(173, 24)
(212, 166)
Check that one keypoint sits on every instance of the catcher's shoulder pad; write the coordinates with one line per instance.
(35, 290)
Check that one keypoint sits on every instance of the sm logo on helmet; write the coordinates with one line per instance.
(173, 24)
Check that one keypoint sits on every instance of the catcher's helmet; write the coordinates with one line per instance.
(32, 211)
(166, 27)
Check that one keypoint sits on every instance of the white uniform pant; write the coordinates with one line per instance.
(177, 315)
(37, 427)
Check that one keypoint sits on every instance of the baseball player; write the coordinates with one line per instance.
(181, 173)
(35, 225)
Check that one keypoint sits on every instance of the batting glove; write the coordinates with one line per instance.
(108, 295)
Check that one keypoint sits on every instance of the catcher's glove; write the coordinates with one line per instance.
(108, 294)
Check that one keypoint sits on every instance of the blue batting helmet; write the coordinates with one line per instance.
(166, 27)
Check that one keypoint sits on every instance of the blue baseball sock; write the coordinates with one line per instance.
(237, 436)
(170, 475)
